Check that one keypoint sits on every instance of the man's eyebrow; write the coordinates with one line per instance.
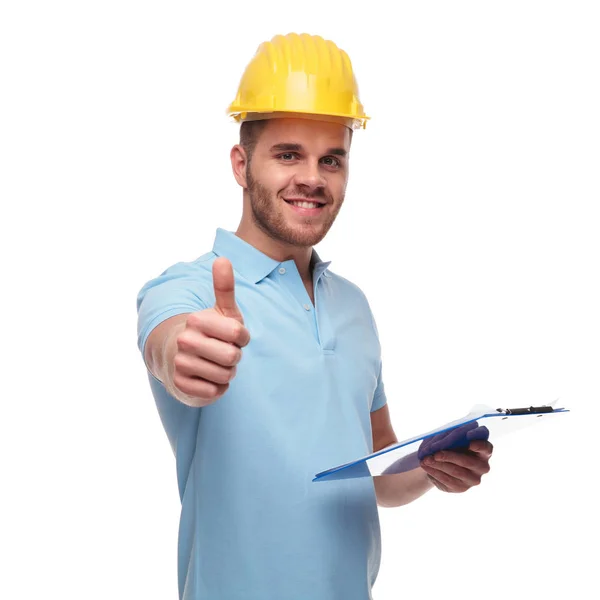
(287, 147)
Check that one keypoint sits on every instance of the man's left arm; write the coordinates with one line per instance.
(448, 470)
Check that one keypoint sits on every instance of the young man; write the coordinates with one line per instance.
(266, 366)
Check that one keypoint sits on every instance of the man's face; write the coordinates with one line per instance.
(298, 160)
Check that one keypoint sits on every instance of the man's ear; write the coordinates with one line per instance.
(239, 164)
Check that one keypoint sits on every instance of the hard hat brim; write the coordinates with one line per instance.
(352, 122)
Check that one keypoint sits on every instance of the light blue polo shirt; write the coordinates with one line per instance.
(254, 526)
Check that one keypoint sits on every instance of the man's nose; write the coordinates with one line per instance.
(310, 175)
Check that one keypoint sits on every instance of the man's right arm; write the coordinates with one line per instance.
(199, 350)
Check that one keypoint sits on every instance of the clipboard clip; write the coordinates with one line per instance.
(526, 411)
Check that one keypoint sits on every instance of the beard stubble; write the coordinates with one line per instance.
(269, 216)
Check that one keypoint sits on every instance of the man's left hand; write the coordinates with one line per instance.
(457, 471)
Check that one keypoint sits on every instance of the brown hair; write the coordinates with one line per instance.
(249, 133)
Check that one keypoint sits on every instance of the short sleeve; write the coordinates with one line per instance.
(177, 290)
(379, 397)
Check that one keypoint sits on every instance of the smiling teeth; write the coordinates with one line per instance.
(306, 204)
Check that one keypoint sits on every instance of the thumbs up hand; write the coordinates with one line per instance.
(210, 346)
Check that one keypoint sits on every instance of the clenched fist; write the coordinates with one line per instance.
(210, 346)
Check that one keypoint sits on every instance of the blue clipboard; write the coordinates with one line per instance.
(407, 455)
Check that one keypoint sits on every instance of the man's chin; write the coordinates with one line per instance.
(289, 229)
(306, 235)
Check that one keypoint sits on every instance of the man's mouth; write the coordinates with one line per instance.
(305, 203)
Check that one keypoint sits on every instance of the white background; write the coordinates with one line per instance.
(471, 223)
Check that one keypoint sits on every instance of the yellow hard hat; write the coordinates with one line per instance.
(301, 74)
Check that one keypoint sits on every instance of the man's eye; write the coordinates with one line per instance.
(330, 161)
(287, 156)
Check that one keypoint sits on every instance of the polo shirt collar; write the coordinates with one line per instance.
(250, 262)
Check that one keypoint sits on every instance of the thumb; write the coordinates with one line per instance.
(224, 286)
